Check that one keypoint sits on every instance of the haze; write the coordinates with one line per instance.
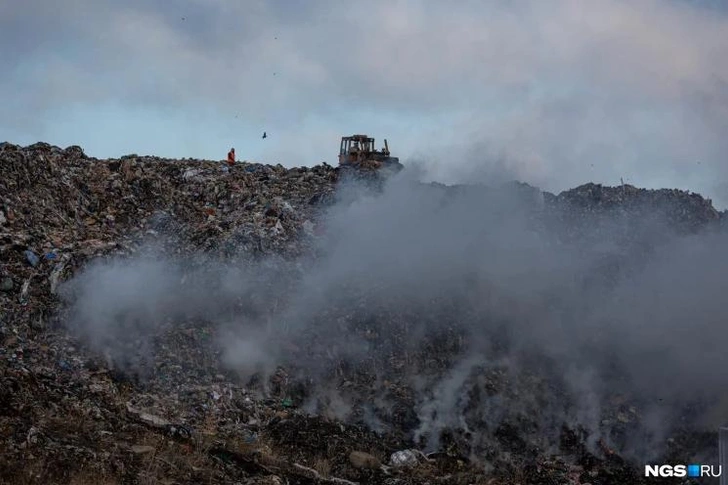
(418, 261)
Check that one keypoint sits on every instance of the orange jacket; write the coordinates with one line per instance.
(231, 157)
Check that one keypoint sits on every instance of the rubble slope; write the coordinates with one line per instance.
(90, 390)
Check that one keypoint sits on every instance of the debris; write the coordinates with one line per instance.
(66, 409)
(404, 459)
(6, 284)
(316, 475)
(148, 419)
(31, 257)
(142, 449)
(190, 173)
(360, 459)
(23, 298)
(55, 275)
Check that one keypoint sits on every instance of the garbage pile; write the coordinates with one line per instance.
(680, 212)
(71, 414)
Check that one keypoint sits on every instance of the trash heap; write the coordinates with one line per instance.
(679, 212)
(68, 415)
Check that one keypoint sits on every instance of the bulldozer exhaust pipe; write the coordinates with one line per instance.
(386, 146)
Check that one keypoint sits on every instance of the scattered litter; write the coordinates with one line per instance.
(148, 419)
(55, 276)
(178, 395)
(23, 298)
(191, 173)
(360, 459)
(404, 459)
(142, 449)
(31, 257)
(6, 284)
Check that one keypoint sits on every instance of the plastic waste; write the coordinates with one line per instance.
(403, 459)
(31, 257)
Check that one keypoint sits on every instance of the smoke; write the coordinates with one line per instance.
(122, 298)
(464, 309)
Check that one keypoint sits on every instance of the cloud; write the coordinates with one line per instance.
(560, 92)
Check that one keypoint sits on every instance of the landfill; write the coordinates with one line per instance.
(355, 395)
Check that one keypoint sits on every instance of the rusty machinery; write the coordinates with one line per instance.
(357, 151)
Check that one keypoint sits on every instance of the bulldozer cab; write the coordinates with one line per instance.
(360, 148)
(355, 148)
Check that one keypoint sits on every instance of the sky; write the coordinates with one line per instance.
(554, 93)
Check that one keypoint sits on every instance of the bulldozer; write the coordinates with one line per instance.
(358, 152)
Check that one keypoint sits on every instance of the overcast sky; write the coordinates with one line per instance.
(555, 93)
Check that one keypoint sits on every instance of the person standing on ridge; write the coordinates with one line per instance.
(231, 157)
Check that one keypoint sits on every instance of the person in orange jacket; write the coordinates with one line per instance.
(231, 157)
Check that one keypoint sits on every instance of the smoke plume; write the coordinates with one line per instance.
(486, 309)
